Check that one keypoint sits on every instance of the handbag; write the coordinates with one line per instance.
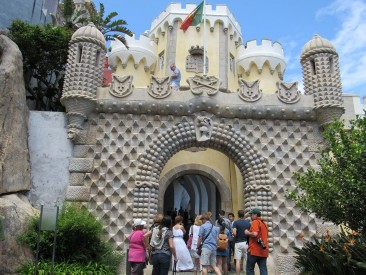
(190, 239)
(199, 248)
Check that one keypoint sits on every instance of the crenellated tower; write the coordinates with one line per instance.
(265, 61)
(322, 79)
(84, 74)
(138, 60)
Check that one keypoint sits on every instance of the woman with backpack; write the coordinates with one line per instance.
(222, 246)
(162, 246)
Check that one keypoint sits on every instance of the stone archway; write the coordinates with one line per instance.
(199, 169)
(223, 138)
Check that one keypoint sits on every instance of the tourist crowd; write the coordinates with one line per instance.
(207, 247)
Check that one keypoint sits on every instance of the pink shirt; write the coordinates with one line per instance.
(137, 249)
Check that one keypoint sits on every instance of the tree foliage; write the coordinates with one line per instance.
(73, 18)
(44, 50)
(336, 190)
(111, 28)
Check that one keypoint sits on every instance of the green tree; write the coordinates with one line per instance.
(44, 50)
(73, 19)
(110, 28)
(336, 190)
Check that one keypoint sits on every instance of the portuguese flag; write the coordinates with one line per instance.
(194, 18)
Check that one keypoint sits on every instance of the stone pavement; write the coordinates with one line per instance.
(148, 270)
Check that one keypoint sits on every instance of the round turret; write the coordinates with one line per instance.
(261, 62)
(138, 50)
(138, 60)
(322, 78)
(315, 45)
(84, 74)
(89, 32)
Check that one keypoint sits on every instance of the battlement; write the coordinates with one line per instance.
(142, 48)
(213, 13)
(256, 53)
(266, 45)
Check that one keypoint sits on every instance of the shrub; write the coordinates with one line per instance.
(79, 239)
(67, 269)
(345, 254)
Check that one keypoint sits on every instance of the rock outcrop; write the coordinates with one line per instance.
(17, 211)
(14, 157)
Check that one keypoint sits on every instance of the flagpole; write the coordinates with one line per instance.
(204, 37)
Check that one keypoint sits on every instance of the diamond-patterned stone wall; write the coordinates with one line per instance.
(131, 150)
(288, 146)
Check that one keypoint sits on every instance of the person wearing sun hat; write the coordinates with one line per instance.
(258, 243)
(138, 245)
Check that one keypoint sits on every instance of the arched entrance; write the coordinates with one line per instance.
(223, 138)
(190, 195)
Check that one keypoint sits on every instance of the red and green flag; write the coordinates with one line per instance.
(194, 18)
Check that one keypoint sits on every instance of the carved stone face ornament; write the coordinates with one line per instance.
(159, 87)
(121, 86)
(249, 91)
(288, 92)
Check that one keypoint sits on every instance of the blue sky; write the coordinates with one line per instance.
(290, 22)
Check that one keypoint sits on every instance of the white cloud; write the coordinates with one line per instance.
(350, 42)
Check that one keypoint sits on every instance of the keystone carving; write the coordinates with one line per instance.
(121, 86)
(249, 91)
(201, 84)
(288, 92)
(203, 128)
(159, 87)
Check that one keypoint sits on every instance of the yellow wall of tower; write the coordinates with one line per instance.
(267, 80)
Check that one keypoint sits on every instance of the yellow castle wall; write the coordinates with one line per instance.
(267, 80)
(192, 37)
(140, 78)
(161, 46)
(232, 76)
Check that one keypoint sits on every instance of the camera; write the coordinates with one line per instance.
(260, 241)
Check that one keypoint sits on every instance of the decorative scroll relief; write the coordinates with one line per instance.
(207, 84)
(288, 92)
(249, 91)
(203, 128)
(159, 87)
(121, 86)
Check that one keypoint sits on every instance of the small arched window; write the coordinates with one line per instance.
(97, 58)
(331, 65)
(79, 54)
(312, 66)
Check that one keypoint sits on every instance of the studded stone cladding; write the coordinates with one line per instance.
(325, 84)
(287, 146)
(87, 74)
(131, 151)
